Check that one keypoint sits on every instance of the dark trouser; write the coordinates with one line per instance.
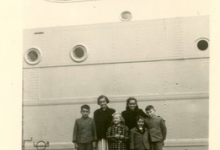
(85, 146)
(156, 146)
(128, 146)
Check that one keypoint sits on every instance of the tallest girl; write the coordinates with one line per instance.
(103, 118)
(131, 113)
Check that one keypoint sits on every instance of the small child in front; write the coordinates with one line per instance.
(139, 139)
(84, 132)
(157, 128)
(117, 134)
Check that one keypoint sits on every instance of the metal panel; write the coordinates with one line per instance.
(31, 84)
(122, 42)
(185, 119)
(193, 144)
(138, 78)
(156, 61)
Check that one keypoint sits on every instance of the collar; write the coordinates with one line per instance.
(141, 131)
(120, 125)
(104, 110)
(133, 110)
(154, 117)
(84, 118)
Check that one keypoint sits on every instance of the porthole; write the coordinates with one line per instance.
(78, 53)
(202, 44)
(126, 16)
(33, 56)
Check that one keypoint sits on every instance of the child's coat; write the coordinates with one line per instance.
(84, 130)
(157, 128)
(117, 144)
(139, 140)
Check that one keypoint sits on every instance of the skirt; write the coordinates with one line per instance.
(102, 144)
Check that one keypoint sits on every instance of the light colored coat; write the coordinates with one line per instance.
(157, 129)
(84, 131)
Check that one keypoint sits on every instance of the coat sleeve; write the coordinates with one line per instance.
(132, 140)
(95, 117)
(163, 128)
(94, 131)
(142, 113)
(146, 123)
(123, 114)
(109, 135)
(126, 133)
(75, 131)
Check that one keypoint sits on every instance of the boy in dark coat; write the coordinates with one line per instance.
(84, 133)
(156, 127)
(139, 136)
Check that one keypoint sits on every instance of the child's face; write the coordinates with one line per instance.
(140, 122)
(85, 112)
(151, 112)
(132, 104)
(116, 119)
(103, 103)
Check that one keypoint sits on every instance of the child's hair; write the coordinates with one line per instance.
(85, 106)
(102, 96)
(138, 118)
(149, 107)
(121, 118)
(128, 100)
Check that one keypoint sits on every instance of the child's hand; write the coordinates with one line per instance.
(117, 136)
(76, 145)
(121, 136)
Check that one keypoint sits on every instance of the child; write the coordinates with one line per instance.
(117, 134)
(84, 133)
(139, 139)
(103, 118)
(157, 128)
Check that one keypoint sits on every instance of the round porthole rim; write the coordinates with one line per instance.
(74, 58)
(36, 49)
(125, 19)
(202, 38)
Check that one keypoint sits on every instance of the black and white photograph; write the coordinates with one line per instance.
(115, 75)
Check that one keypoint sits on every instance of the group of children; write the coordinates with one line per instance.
(149, 133)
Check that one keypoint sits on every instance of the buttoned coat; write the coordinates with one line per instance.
(103, 121)
(84, 130)
(139, 140)
(157, 128)
(117, 144)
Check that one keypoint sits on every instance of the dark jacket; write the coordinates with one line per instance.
(84, 131)
(139, 140)
(157, 128)
(103, 121)
(130, 117)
